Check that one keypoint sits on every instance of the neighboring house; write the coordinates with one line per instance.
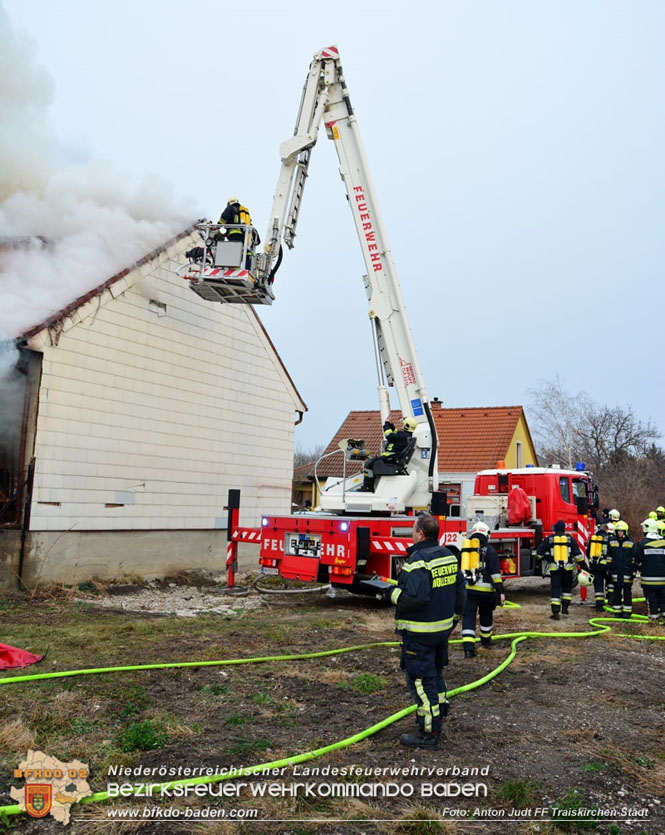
(143, 406)
(469, 440)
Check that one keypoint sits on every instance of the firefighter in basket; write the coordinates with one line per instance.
(565, 554)
(484, 587)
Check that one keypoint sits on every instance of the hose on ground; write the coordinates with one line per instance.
(599, 625)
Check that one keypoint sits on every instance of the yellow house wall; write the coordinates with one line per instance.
(528, 452)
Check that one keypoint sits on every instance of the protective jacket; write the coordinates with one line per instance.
(487, 578)
(573, 554)
(649, 559)
(430, 591)
(396, 442)
(620, 559)
(233, 217)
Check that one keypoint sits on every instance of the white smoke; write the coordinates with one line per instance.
(95, 221)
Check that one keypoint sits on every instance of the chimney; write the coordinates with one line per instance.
(436, 403)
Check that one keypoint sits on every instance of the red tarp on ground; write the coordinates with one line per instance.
(13, 657)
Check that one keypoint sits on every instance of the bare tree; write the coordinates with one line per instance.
(558, 417)
(608, 435)
(619, 448)
(304, 456)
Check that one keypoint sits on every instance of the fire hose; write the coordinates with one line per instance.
(599, 624)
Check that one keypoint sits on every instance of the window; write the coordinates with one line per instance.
(564, 488)
(518, 454)
(579, 488)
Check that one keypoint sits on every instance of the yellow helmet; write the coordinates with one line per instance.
(585, 578)
(410, 424)
(653, 514)
(621, 526)
(660, 509)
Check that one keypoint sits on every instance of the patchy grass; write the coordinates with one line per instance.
(143, 736)
(568, 815)
(520, 794)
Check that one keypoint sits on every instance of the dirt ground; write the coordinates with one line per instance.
(571, 723)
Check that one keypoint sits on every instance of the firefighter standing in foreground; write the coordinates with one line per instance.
(480, 566)
(620, 550)
(565, 554)
(650, 562)
(430, 592)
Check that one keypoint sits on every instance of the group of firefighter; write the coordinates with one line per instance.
(435, 590)
(613, 559)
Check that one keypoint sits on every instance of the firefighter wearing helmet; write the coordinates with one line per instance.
(660, 513)
(620, 552)
(650, 562)
(395, 443)
(484, 587)
(596, 553)
(615, 516)
(565, 556)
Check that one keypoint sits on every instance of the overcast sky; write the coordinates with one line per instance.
(516, 149)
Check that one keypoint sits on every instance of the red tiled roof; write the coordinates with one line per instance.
(469, 439)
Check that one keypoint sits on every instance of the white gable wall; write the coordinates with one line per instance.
(146, 420)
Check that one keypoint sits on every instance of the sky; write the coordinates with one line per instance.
(516, 150)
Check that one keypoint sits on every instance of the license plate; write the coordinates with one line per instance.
(265, 570)
(302, 544)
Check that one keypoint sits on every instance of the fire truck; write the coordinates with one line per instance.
(549, 494)
(355, 534)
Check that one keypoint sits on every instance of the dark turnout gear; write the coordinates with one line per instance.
(565, 554)
(649, 560)
(394, 444)
(620, 569)
(597, 557)
(484, 587)
(430, 591)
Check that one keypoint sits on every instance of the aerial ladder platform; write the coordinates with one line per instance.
(223, 270)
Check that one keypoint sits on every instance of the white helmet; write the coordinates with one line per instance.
(615, 515)
(585, 578)
(609, 527)
(650, 526)
(482, 529)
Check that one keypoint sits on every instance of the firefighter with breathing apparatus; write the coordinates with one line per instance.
(596, 553)
(484, 587)
(561, 548)
(620, 551)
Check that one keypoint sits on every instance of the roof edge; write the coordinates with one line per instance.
(72, 306)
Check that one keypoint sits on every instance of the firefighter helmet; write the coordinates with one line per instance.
(233, 200)
(660, 510)
(653, 514)
(481, 529)
(585, 578)
(615, 515)
(609, 527)
(410, 424)
(621, 526)
(650, 526)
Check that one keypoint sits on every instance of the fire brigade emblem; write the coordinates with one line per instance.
(38, 799)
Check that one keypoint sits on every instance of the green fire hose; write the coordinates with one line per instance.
(599, 624)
